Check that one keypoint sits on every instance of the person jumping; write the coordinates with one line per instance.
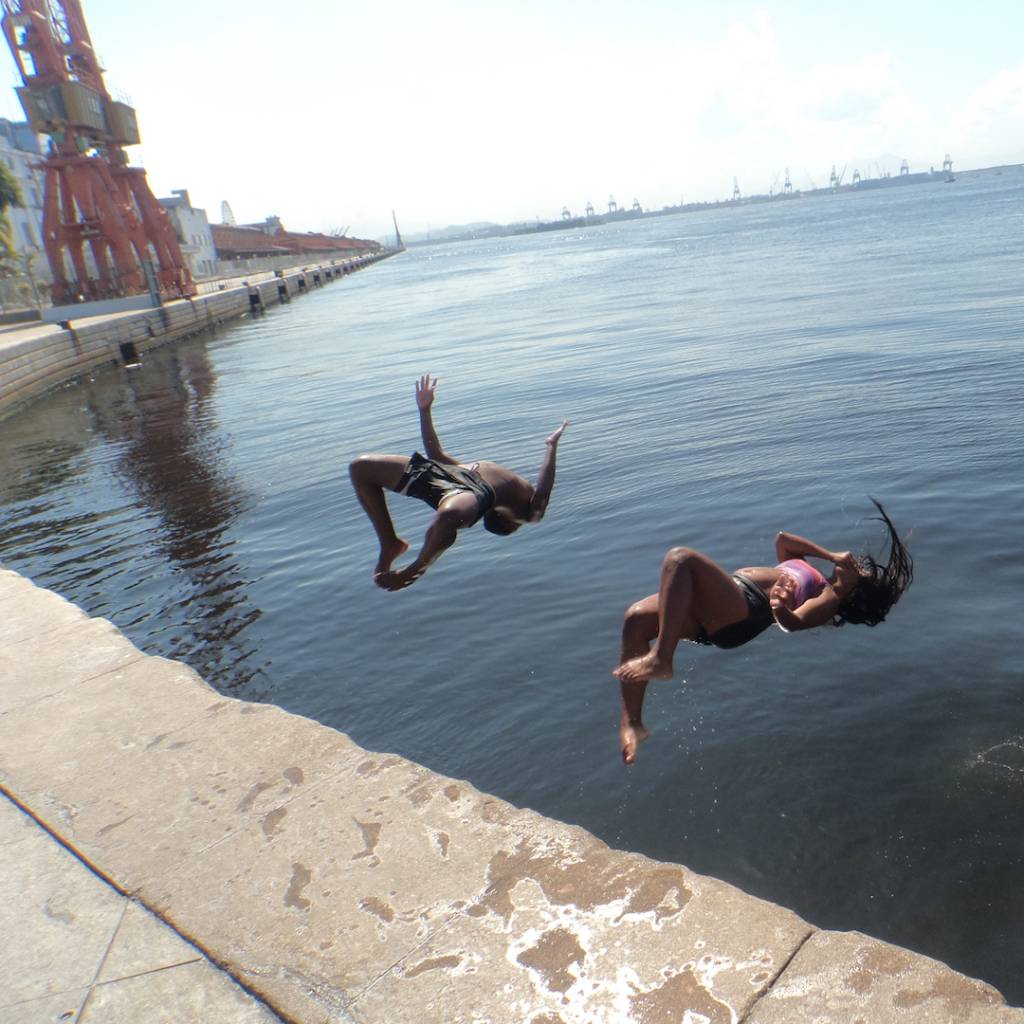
(461, 493)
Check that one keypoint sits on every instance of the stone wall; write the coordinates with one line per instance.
(39, 358)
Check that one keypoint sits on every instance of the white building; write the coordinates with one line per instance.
(193, 231)
(20, 149)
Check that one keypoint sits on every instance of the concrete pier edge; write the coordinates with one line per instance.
(36, 358)
(338, 884)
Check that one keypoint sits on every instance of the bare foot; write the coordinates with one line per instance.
(631, 735)
(388, 553)
(639, 670)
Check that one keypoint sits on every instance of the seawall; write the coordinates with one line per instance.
(342, 885)
(35, 358)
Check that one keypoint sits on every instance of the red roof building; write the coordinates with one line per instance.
(234, 243)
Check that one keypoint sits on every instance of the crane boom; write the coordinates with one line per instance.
(102, 226)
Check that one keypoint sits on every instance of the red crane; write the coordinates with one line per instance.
(103, 230)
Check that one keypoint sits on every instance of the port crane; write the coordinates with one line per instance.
(104, 232)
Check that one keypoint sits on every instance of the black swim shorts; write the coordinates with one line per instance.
(759, 618)
(432, 482)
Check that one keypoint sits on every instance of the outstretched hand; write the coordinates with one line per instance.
(554, 438)
(425, 388)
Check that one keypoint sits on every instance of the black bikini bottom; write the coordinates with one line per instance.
(736, 634)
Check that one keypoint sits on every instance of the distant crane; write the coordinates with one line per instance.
(787, 185)
(735, 188)
(104, 232)
(835, 180)
(566, 215)
(855, 181)
(590, 209)
(947, 164)
(637, 208)
(904, 168)
(613, 207)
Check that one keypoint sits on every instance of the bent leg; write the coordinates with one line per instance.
(370, 475)
(695, 594)
(639, 628)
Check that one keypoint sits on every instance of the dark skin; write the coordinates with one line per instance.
(515, 498)
(697, 595)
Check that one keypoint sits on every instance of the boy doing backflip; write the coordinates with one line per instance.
(461, 493)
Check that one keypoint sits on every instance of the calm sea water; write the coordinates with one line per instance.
(727, 374)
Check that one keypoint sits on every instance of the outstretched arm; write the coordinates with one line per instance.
(814, 612)
(789, 545)
(425, 388)
(457, 512)
(546, 480)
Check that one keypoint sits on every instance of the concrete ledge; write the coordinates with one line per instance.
(344, 885)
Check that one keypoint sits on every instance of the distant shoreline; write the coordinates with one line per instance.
(575, 223)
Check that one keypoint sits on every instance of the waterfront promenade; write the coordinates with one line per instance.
(249, 865)
(35, 357)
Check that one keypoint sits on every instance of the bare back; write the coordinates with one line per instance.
(511, 491)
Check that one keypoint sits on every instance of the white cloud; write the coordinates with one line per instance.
(988, 124)
(758, 112)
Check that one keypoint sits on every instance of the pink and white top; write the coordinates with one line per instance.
(809, 582)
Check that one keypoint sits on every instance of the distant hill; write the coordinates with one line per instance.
(478, 229)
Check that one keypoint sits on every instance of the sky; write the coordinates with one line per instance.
(331, 113)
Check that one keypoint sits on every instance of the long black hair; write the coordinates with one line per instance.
(882, 585)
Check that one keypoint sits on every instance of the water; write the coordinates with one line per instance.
(728, 374)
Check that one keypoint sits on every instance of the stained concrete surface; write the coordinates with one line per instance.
(346, 886)
(76, 951)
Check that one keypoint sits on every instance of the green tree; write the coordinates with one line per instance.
(10, 195)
